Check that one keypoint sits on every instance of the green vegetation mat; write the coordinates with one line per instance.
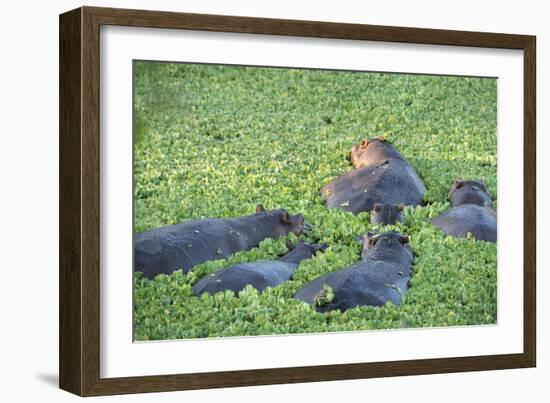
(215, 141)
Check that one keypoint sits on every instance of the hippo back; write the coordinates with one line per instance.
(368, 282)
(185, 245)
(182, 246)
(259, 275)
(481, 222)
(391, 182)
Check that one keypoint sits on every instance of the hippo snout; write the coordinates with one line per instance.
(323, 247)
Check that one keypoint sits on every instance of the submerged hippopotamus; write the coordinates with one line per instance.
(260, 274)
(381, 175)
(472, 212)
(185, 245)
(386, 214)
(469, 192)
(382, 275)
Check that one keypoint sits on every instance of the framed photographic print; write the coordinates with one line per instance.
(249, 201)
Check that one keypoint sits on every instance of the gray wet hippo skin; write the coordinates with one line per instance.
(479, 221)
(185, 245)
(382, 275)
(385, 214)
(469, 192)
(381, 175)
(472, 212)
(260, 274)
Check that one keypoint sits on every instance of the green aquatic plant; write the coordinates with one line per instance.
(215, 141)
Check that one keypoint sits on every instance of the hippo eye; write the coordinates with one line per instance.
(482, 185)
(474, 187)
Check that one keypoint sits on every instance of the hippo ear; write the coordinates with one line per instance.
(260, 208)
(400, 207)
(286, 218)
(404, 239)
(457, 182)
(382, 139)
(290, 246)
(377, 207)
(363, 144)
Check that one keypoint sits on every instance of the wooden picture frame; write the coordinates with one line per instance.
(79, 281)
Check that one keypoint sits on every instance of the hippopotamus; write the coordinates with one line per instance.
(469, 192)
(382, 275)
(381, 175)
(386, 214)
(260, 274)
(471, 212)
(187, 244)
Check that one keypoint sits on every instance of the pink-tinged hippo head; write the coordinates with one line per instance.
(372, 151)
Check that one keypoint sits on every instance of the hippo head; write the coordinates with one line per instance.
(387, 246)
(386, 213)
(372, 151)
(302, 250)
(314, 247)
(284, 222)
(469, 192)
